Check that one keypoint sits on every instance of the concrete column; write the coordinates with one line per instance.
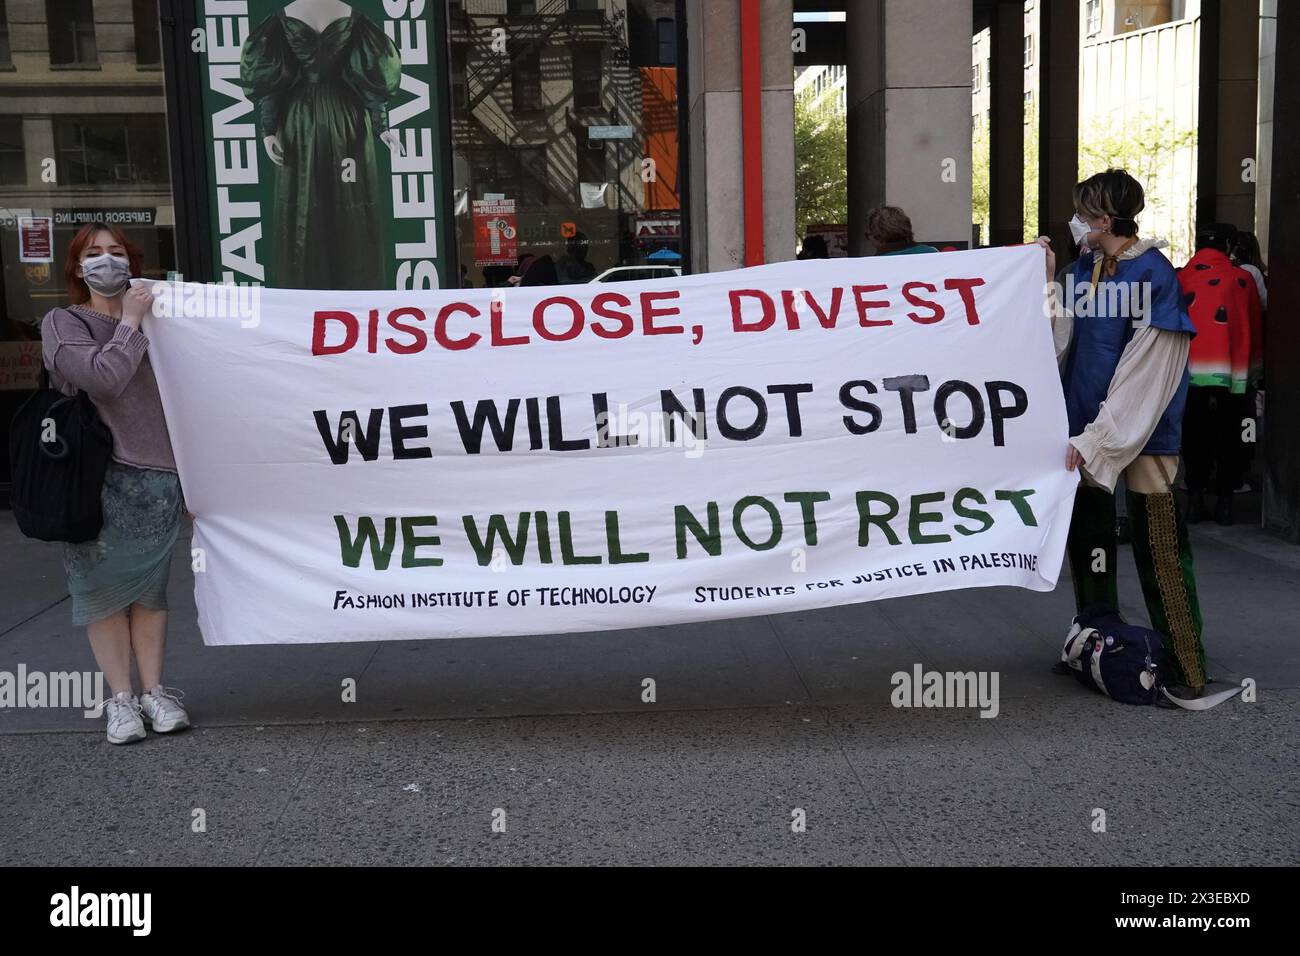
(1282, 331)
(1006, 124)
(1229, 98)
(1058, 121)
(1264, 135)
(909, 96)
(717, 220)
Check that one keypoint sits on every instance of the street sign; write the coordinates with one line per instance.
(609, 132)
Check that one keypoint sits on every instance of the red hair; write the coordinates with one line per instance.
(78, 291)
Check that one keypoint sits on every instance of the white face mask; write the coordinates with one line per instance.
(107, 274)
(1079, 230)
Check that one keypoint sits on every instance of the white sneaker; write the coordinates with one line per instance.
(124, 723)
(164, 708)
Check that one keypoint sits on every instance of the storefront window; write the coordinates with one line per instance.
(92, 146)
(565, 139)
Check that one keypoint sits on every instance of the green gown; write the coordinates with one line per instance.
(325, 95)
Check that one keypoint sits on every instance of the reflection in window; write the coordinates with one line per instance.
(148, 48)
(667, 36)
(6, 56)
(1092, 17)
(526, 79)
(591, 161)
(70, 27)
(459, 83)
(13, 157)
(535, 179)
(107, 148)
(586, 76)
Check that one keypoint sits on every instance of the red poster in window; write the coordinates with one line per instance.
(495, 232)
(35, 239)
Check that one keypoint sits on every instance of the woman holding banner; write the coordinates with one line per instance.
(1122, 342)
(118, 582)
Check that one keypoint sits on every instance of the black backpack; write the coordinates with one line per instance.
(1126, 662)
(59, 451)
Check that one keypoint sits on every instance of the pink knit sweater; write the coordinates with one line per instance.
(85, 349)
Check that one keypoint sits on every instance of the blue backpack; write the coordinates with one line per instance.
(1126, 662)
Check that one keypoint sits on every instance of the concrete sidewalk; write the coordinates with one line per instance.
(756, 719)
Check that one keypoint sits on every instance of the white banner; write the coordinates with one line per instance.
(422, 464)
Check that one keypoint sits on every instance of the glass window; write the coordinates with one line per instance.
(526, 79)
(1092, 11)
(148, 49)
(70, 27)
(108, 166)
(459, 83)
(13, 157)
(666, 31)
(1029, 50)
(6, 57)
(570, 149)
(586, 76)
(591, 161)
(108, 148)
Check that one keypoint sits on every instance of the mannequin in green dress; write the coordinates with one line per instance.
(321, 75)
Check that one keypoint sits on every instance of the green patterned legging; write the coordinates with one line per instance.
(1164, 563)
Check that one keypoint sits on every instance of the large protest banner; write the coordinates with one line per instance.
(383, 465)
(326, 158)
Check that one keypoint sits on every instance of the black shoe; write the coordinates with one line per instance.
(1196, 509)
(1223, 510)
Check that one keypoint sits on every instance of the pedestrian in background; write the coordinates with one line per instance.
(889, 230)
(1224, 304)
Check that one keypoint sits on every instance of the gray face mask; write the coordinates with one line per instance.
(106, 274)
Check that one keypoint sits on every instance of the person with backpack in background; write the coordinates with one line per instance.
(1224, 304)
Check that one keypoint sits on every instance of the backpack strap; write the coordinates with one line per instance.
(1203, 703)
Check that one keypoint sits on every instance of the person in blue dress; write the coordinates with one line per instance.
(1122, 340)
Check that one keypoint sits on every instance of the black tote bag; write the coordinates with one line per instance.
(59, 451)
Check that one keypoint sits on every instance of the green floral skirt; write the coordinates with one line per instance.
(130, 561)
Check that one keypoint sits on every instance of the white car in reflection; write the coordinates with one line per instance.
(637, 273)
